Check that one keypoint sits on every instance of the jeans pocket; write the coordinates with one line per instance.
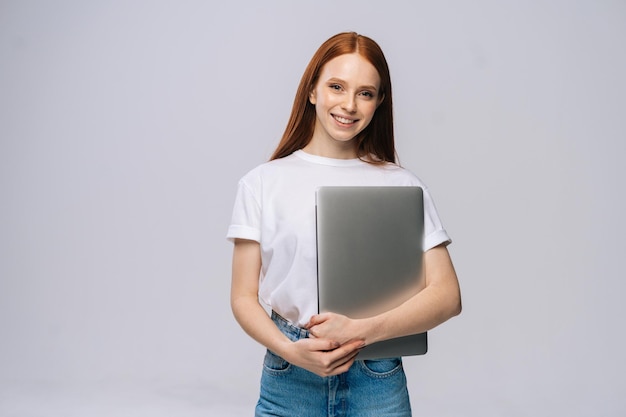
(382, 368)
(275, 363)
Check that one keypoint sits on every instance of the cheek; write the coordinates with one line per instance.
(370, 110)
(325, 99)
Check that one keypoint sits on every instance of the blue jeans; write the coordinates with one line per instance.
(368, 389)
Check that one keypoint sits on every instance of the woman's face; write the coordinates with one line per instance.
(345, 97)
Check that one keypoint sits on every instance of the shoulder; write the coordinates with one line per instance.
(269, 172)
(269, 168)
(402, 176)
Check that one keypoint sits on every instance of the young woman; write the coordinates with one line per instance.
(340, 133)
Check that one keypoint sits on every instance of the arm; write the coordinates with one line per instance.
(319, 355)
(436, 303)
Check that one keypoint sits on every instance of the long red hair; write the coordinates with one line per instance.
(376, 141)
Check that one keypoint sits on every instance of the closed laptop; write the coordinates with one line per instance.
(369, 254)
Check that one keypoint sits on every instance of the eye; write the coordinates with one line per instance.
(367, 94)
(335, 87)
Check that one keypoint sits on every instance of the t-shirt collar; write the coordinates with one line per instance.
(322, 160)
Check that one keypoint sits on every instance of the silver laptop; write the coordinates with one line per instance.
(369, 256)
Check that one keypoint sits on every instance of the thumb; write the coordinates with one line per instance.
(316, 319)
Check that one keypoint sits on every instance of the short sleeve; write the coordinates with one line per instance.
(434, 233)
(246, 218)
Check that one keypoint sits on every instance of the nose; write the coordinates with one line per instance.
(349, 104)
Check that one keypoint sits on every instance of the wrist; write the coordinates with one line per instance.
(284, 349)
(373, 329)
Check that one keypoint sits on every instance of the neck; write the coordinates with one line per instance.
(342, 150)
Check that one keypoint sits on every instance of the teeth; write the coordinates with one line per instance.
(343, 120)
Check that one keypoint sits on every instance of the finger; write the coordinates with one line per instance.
(324, 345)
(315, 320)
(347, 350)
(343, 364)
(343, 368)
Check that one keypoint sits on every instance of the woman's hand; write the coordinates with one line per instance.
(322, 356)
(337, 327)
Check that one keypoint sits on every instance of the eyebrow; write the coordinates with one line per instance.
(339, 80)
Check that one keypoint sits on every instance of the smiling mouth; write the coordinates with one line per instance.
(343, 120)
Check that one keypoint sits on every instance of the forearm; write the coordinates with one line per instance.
(244, 299)
(323, 357)
(257, 324)
(439, 301)
(421, 313)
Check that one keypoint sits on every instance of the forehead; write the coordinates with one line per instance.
(352, 68)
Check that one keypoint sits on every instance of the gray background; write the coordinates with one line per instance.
(125, 125)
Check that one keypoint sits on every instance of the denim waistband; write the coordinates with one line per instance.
(288, 329)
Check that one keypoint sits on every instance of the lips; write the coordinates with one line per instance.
(344, 120)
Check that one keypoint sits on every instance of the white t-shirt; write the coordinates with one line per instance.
(275, 206)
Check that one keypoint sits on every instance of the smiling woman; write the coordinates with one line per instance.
(340, 133)
(377, 140)
(345, 99)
